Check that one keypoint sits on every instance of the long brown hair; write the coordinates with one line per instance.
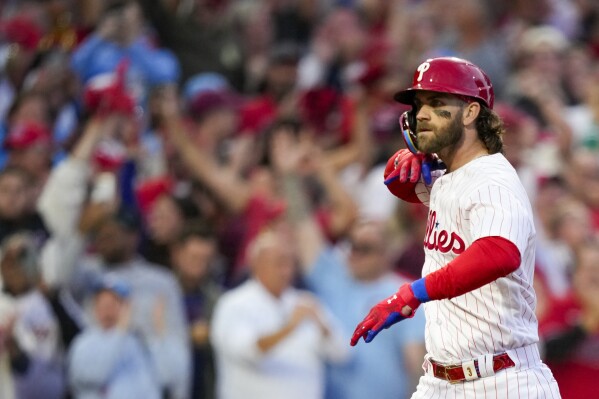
(490, 130)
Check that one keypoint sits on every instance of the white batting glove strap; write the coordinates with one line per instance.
(485, 366)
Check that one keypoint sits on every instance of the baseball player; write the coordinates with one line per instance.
(477, 294)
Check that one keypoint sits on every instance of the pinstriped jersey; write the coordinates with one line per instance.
(483, 198)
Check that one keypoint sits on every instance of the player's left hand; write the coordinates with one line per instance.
(400, 306)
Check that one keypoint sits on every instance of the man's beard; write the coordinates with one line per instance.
(438, 139)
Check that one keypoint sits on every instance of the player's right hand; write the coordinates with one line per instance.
(384, 314)
(406, 166)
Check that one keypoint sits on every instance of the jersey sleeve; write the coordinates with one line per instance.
(496, 211)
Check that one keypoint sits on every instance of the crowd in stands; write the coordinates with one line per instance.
(192, 201)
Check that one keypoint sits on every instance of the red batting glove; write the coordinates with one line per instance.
(402, 190)
(408, 167)
(405, 166)
(385, 314)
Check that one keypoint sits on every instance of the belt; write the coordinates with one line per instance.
(470, 370)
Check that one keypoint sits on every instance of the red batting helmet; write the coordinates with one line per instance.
(450, 75)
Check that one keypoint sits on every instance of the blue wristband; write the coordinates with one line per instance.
(419, 290)
(426, 173)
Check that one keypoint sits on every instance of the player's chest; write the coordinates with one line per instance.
(446, 233)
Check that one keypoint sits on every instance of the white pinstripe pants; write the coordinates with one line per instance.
(529, 379)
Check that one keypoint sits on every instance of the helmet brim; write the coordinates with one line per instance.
(405, 96)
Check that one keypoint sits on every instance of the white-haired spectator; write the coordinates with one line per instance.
(272, 340)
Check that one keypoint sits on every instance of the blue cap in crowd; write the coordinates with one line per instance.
(203, 83)
(113, 284)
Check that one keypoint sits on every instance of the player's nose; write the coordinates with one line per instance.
(423, 113)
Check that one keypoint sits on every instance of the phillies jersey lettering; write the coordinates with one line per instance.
(483, 198)
(441, 240)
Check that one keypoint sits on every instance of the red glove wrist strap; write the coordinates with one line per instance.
(407, 295)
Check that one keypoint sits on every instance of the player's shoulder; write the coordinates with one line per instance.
(494, 177)
(491, 165)
(491, 170)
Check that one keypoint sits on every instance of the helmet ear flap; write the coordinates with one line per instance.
(412, 119)
(407, 122)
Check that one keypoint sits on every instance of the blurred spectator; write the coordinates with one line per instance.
(213, 107)
(569, 226)
(65, 28)
(21, 35)
(278, 95)
(336, 53)
(52, 79)
(32, 336)
(7, 389)
(120, 36)
(108, 359)
(359, 165)
(415, 31)
(409, 259)
(470, 34)
(584, 117)
(589, 23)
(194, 260)
(165, 221)
(255, 26)
(520, 14)
(582, 178)
(201, 34)
(115, 232)
(520, 141)
(17, 206)
(571, 329)
(272, 340)
(536, 87)
(302, 167)
(294, 21)
(29, 146)
(28, 108)
(578, 70)
(255, 195)
(115, 241)
(349, 283)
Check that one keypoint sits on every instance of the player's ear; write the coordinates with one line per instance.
(470, 113)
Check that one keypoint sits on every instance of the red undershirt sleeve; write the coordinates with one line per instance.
(486, 260)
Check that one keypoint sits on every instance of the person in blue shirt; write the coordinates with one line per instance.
(348, 280)
(107, 360)
(349, 277)
(121, 35)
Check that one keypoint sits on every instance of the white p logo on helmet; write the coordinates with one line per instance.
(422, 68)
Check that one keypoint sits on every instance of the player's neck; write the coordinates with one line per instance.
(456, 157)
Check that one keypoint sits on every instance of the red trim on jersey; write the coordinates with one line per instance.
(486, 260)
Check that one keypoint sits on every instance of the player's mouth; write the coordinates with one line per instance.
(423, 128)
